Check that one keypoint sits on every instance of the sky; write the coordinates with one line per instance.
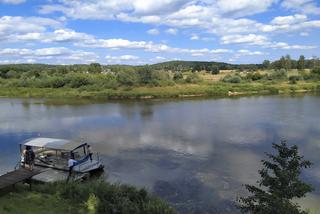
(152, 31)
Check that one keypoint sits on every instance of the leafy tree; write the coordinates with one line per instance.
(95, 68)
(279, 184)
(294, 79)
(266, 64)
(301, 63)
(177, 76)
(193, 78)
(214, 70)
(145, 74)
(232, 78)
(127, 78)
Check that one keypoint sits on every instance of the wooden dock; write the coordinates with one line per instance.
(16, 176)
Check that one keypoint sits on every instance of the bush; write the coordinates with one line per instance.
(127, 78)
(232, 78)
(193, 78)
(177, 76)
(77, 80)
(294, 79)
(254, 76)
(278, 75)
(102, 197)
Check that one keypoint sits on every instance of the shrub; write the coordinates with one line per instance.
(193, 78)
(127, 78)
(77, 80)
(294, 79)
(278, 75)
(177, 76)
(231, 78)
(102, 197)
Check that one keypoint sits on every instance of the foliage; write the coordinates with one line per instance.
(127, 78)
(301, 63)
(94, 68)
(278, 75)
(192, 78)
(232, 78)
(254, 76)
(108, 198)
(91, 197)
(294, 79)
(279, 184)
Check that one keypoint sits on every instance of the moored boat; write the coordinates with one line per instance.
(55, 153)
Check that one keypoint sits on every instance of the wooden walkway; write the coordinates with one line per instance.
(16, 176)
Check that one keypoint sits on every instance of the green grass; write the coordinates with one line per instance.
(35, 202)
(93, 197)
(178, 90)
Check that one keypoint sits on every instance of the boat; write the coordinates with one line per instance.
(55, 153)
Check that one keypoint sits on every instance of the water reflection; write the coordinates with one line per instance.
(194, 153)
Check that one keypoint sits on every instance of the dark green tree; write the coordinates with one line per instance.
(214, 70)
(279, 184)
(301, 63)
(145, 75)
(266, 64)
(95, 68)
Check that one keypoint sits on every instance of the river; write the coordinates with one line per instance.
(194, 153)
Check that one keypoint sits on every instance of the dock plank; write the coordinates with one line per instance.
(17, 176)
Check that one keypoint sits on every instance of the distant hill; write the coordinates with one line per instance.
(170, 65)
(189, 65)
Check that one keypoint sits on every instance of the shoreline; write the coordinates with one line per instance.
(222, 90)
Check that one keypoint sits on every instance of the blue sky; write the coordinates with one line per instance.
(147, 32)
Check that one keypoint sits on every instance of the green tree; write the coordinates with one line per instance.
(145, 75)
(279, 184)
(95, 68)
(266, 64)
(127, 78)
(301, 63)
(214, 70)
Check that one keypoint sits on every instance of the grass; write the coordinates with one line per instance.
(34, 203)
(92, 197)
(178, 90)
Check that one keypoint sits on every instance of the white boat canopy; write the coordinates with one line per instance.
(52, 143)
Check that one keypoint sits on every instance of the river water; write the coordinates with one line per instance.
(196, 153)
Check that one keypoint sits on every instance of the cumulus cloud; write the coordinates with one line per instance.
(238, 38)
(244, 7)
(153, 32)
(172, 31)
(61, 54)
(303, 6)
(18, 24)
(12, 1)
(263, 41)
(121, 59)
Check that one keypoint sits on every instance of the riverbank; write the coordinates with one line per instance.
(217, 89)
(90, 197)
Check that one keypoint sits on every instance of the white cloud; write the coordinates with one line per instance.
(304, 34)
(263, 41)
(303, 6)
(153, 32)
(194, 37)
(244, 7)
(288, 20)
(18, 24)
(172, 31)
(61, 54)
(250, 38)
(12, 1)
(244, 52)
(123, 59)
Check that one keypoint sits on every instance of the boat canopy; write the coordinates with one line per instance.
(52, 143)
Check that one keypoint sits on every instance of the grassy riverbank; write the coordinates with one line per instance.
(91, 197)
(217, 89)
